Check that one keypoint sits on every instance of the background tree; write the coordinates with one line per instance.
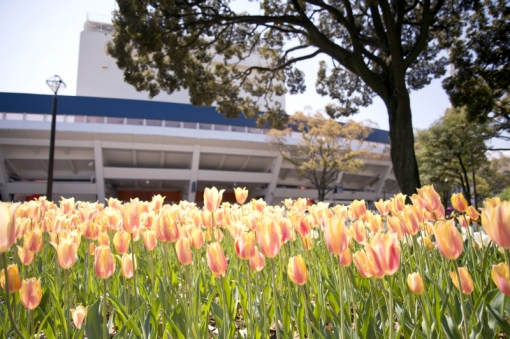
(377, 47)
(481, 57)
(326, 148)
(453, 152)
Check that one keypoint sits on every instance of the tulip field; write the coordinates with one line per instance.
(143, 269)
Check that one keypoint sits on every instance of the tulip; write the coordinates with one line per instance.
(183, 250)
(375, 223)
(345, 258)
(79, 314)
(216, 259)
(103, 239)
(167, 229)
(258, 205)
(303, 226)
(459, 202)
(496, 223)
(358, 209)
(288, 203)
(307, 243)
(257, 262)
(33, 240)
(212, 199)
(286, 228)
(131, 212)
(149, 240)
(197, 238)
(121, 241)
(336, 236)
(428, 244)
(501, 276)
(472, 213)
(431, 201)
(66, 252)
(91, 230)
(30, 293)
(397, 203)
(385, 249)
(448, 239)
(415, 283)
(7, 226)
(396, 226)
(491, 202)
(127, 268)
(358, 231)
(25, 255)
(340, 211)
(245, 245)
(296, 269)
(383, 206)
(361, 262)
(269, 237)
(157, 202)
(13, 276)
(241, 195)
(465, 280)
(104, 262)
(413, 217)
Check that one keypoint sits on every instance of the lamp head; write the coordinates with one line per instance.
(56, 84)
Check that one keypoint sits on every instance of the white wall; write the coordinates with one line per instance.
(99, 76)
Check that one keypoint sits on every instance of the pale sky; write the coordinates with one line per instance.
(41, 38)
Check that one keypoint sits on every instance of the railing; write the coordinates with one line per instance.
(371, 147)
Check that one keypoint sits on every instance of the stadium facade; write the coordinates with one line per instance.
(112, 141)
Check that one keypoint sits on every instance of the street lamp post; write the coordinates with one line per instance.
(56, 84)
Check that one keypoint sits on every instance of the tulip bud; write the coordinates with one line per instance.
(197, 238)
(66, 252)
(157, 202)
(104, 262)
(415, 283)
(183, 250)
(361, 262)
(448, 239)
(33, 240)
(79, 314)
(212, 199)
(345, 258)
(428, 244)
(216, 259)
(269, 237)
(121, 241)
(296, 269)
(103, 239)
(7, 226)
(496, 223)
(241, 195)
(257, 262)
(465, 280)
(307, 243)
(459, 202)
(245, 245)
(383, 206)
(385, 249)
(127, 268)
(472, 213)
(358, 231)
(30, 293)
(13, 277)
(336, 236)
(25, 255)
(501, 276)
(91, 230)
(149, 240)
(358, 209)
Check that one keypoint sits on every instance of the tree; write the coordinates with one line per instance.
(452, 151)
(376, 47)
(481, 57)
(326, 148)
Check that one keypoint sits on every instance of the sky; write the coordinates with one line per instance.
(39, 39)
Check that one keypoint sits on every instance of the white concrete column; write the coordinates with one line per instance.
(3, 179)
(277, 164)
(380, 185)
(98, 162)
(193, 181)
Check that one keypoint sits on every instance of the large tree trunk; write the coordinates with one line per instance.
(402, 142)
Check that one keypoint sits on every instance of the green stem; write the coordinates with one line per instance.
(135, 294)
(390, 315)
(463, 307)
(308, 321)
(105, 327)
(275, 300)
(87, 248)
(340, 292)
(250, 332)
(225, 306)
(354, 316)
(8, 297)
(507, 257)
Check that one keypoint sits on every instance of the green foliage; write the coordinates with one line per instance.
(505, 195)
(325, 149)
(454, 149)
(383, 48)
(481, 58)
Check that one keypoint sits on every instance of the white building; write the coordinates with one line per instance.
(113, 141)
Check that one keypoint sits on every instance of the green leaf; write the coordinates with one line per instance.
(94, 323)
(503, 324)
